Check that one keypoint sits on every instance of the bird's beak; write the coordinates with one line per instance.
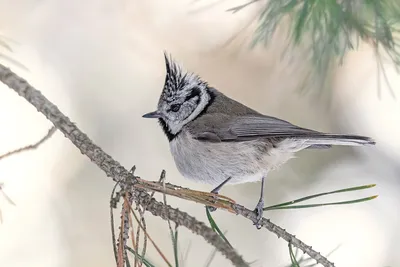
(152, 115)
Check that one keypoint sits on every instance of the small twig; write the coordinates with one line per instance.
(120, 251)
(162, 181)
(9, 200)
(138, 230)
(205, 198)
(136, 247)
(127, 205)
(124, 233)
(128, 264)
(151, 240)
(113, 205)
(171, 232)
(141, 212)
(31, 147)
(211, 258)
(136, 241)
(132, 233)
(186, 255)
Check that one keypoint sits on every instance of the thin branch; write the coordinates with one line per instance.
(7, 198)
(120, 253)
(211, 258)
(171, 232)
(113, 204)
(31, 147)
(186, 255)
(151, 240)
(138, 230)
(124, 234)
(135, 242)
(118, 173)
(206, 198)
(143, 221)
(132, 236)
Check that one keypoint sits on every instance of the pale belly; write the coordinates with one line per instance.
(213, 163)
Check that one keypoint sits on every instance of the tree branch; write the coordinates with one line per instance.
(138, 189)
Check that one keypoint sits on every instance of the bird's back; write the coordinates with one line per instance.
(223, 104)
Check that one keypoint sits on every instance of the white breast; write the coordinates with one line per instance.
(213, 163)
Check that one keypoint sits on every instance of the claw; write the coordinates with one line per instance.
(259, 210)
(215, 191)
(211, 209)
(260, 206)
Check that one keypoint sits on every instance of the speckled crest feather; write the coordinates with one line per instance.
(184, 96)
(176, 78)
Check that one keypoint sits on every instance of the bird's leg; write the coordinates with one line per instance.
(216, 190)
(260, 205)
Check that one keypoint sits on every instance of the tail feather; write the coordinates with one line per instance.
(328, 140)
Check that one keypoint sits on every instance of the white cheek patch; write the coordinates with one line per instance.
(176, 126)
(204, 99)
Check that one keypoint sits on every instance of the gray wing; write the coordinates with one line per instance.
(219, 127)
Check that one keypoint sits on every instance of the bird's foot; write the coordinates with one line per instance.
(259, 211)
(215, 191)
(210, 208)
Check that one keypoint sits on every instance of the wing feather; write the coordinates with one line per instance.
(265, 126)
(212, 127)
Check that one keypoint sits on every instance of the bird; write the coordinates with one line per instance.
(216, 140)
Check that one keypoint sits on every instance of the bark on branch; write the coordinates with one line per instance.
(132, 183)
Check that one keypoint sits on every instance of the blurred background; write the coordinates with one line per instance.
(101, 63)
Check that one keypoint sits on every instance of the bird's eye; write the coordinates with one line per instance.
(175, 107)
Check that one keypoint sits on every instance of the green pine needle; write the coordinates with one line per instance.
(215, 227)
(328, 29)
(142, 259)
(323, 204)
(289, 204)
(292, 256)
(175, 245)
